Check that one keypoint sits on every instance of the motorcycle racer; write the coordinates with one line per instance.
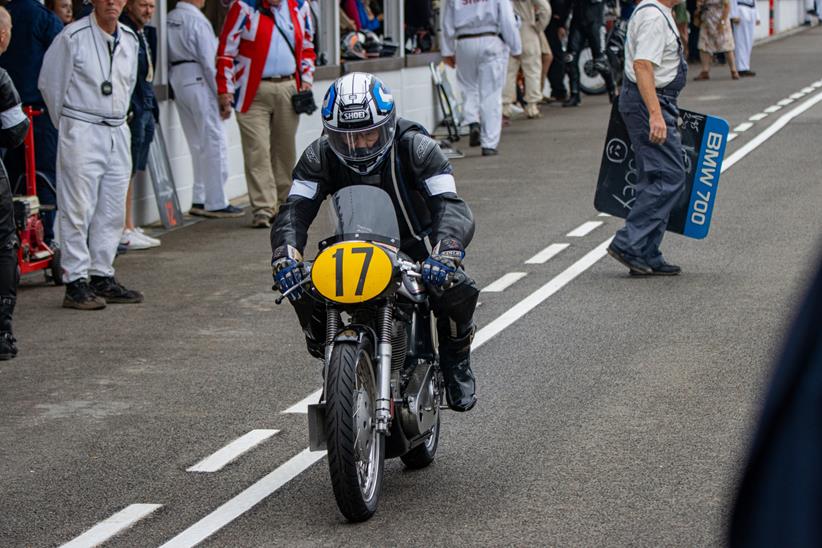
(365, 143)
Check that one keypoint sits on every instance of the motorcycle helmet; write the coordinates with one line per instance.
(359, 119)
(352, 47)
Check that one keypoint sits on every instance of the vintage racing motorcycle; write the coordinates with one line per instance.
(382, 389)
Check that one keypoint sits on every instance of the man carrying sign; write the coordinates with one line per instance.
(655, 73)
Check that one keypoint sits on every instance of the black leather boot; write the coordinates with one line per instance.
(8, 344)
(573, 100)
(455, 363)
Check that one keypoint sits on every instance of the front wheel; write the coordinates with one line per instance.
(356, 452)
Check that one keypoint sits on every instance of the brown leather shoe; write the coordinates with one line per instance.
(702, 76)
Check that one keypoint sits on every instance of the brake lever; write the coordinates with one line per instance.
(282, 296)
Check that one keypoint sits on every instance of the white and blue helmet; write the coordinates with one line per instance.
(360, 120)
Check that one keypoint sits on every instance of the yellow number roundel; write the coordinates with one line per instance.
(351, 272)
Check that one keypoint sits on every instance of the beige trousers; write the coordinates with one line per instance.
(531, 63)
(268, 131)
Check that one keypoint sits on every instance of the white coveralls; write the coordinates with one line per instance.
(480, 33)
(94, 146)
(534, 16)
(746, 12)
(192, 54)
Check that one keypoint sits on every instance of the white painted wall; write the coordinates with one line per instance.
(413, 92)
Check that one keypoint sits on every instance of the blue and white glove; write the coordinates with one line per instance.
(288, 270)
(446, 257)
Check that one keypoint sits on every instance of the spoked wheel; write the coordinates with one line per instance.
(591, 81)
(356, 452)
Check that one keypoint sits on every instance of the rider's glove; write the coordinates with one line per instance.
(439, 268)
(288, 270)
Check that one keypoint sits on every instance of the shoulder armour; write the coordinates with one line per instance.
(421, 148)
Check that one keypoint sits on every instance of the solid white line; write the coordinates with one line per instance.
(117, 523)
(783, 120)
(537, 297)
(808, 89)
(505, 281)
(245, 501)
(758, 117)
(547, 254)
(797, 95)
(231, 451)
(743, 127)
(732, 136)
(301, 407)
(584, 229)
(784, 102)
(773, 108)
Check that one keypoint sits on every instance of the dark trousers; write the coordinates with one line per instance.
(660, 177)
(556, 72)
(582, 33)
(9, 273)
(45, 159)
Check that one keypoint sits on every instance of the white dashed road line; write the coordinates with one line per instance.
(743, 127)
(797, 95)
(604, 215)
(758, 117)
(584, 229)
(245, 501)
(773, 108)
(301, 407)
(784, 102)
(504, 282)
(808, 89)
(231, 451)
(547, 254)
(732, 136)
(117, 523)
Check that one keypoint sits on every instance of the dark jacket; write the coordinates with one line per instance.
(420, 214)
(143, 99)
(34, 29)
(12, 132)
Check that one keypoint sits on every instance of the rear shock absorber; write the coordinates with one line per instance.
(383, 411)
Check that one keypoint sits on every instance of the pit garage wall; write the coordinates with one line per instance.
(413, 93)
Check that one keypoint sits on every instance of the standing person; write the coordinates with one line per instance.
(745, 18)
(556, 32)
(13, 128)
(533, 16)
(655, 73)
(715, 36)
(36, 27)
(144, 112)
(62, 9)
(476, 39)
(586, 29)
(88, 76)
(265, 55)
(192, 50)
(587, 22)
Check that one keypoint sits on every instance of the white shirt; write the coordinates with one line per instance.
(280, 60)
(191, 38)
(76, 65)
(479, 16)
(653, 37)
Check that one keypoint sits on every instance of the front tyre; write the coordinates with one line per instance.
(356, 452)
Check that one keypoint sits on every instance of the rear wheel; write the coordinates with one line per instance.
(356, 452)
(423, 455)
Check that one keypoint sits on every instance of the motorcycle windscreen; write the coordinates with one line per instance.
(364, 212)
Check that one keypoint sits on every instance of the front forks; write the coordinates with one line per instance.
(382, 412)
(383, 408)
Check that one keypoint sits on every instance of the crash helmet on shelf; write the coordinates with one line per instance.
(359, 119)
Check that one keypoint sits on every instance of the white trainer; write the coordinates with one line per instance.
(146, 237)
(136, 241)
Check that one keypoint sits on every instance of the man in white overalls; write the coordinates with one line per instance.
(477, 36)
(745, 18)
(88, 75)
(192, 49)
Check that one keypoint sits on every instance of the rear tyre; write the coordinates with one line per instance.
(423, 455)
(356, 452)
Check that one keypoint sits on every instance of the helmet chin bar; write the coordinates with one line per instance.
(363, 167)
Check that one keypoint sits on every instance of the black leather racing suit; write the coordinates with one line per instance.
(13, 128)
(421, 214)
(586, 28)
